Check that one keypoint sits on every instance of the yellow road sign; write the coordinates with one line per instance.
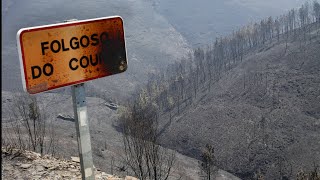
(64, 54)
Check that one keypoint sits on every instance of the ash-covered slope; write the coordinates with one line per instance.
(106, 142)
(151, 42)
(263, 115)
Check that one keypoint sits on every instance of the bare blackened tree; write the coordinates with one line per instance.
(27, 128)
(29, 119)
(208, 163)
(143, 154)
(52, 145)
(316, 10)
(277, 28)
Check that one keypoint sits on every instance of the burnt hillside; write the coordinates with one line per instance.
(254, 95)
(261, 115)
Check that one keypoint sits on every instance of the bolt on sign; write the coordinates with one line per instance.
(58, 55)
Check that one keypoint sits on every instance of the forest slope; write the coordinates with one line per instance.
(262, 115)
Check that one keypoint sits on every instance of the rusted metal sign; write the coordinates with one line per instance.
(64, 54)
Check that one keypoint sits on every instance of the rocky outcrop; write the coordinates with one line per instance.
(30, 165)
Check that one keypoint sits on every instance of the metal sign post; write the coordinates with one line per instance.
(83, 133)
(82, 127)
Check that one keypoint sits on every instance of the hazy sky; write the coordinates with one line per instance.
(269, 6)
